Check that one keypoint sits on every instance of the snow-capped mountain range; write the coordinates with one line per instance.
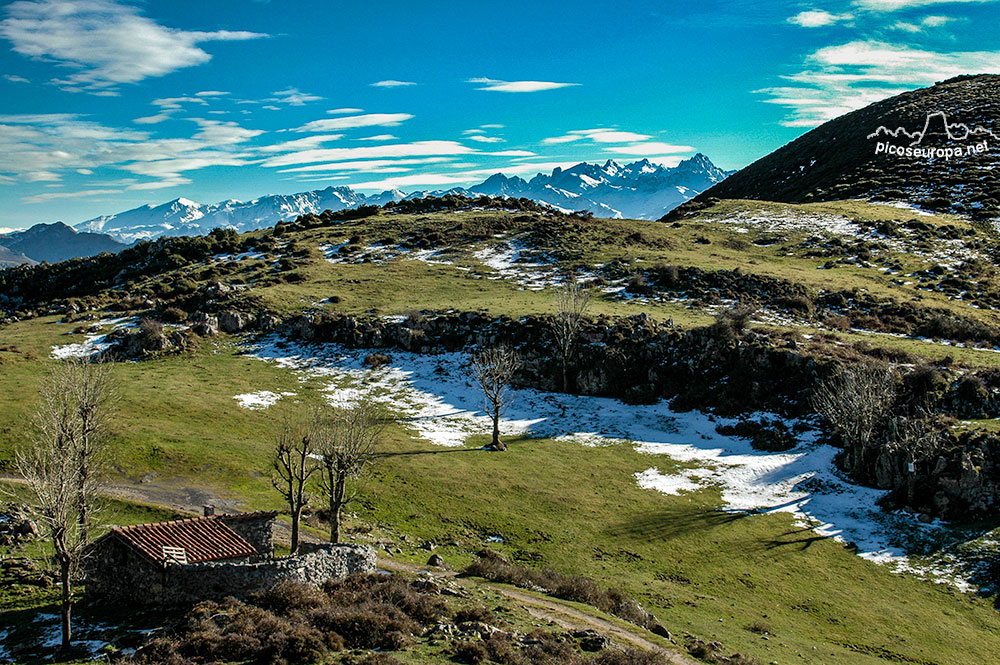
(641, 190)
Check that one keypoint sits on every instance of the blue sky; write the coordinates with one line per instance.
(106, 105)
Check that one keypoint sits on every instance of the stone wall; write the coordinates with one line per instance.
(122, 575)
(256, 528)
(215, 580)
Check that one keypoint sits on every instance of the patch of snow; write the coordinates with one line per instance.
(435, 397)
(260, 400)
(94, 342)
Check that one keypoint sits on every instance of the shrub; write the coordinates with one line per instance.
(471, 652)
(287, 596)
(174, 315)
(628, 656)
(477, 613)
(376, 360)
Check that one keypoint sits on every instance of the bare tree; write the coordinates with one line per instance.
(65, 465)
(572, 300)
(346, 442)
(856, 402)
(494, 368)
(292, 466)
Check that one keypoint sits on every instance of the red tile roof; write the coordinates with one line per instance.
(203, 539)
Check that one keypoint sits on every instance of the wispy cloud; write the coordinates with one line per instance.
(843, 78)
(42, 147)
(344, 110)
(818, 18)
(151, 119)
(293, 97)
(648, 149)
(923, 24)
(478, 138)
(897, 5)
(391, 83)
(497, 85)
(598, 136)
(14, 78)
(50, 196)
(355, 121)
(108, 43)
(415, 149)
(211, 93)
(378, 137)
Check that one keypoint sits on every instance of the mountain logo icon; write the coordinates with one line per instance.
(936, 125)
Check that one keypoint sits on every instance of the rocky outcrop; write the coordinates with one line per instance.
(635, 358)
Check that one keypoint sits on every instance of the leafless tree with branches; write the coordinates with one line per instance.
(572, 301)
(292, 465)
(65, 466)
(494, 369)
(856, 401)
(346, 442)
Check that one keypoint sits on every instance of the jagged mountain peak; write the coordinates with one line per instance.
(642, 189)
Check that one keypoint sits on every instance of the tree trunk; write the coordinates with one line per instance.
(66, 607)
(336, 504)
(497, 444)
(296, 516)
(565, 379)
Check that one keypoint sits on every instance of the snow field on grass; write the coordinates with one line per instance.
(93, 342)
(260, 400)
(437, 399)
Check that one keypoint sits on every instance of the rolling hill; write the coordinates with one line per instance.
(892, 150)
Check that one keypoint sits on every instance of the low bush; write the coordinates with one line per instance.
(493, 567)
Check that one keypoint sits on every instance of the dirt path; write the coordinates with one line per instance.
(559, 613)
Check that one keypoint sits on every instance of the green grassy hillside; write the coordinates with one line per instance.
(763, 585)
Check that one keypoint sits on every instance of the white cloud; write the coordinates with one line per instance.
(391, 83)
(211, 93)
(923, 24)
(415, 149)
(485, 139)
(378, 137)
(494, 126)
(354, 121)
(174, 103)
(365, 165)
(843, 78)
(473, 131)
(598, 135)
(293, 97)
(14, 78)
(42, 198)
(344, 111)
(818, 18)
(105, 42)
(40, 147)
(896, 5)
(151, 119)
(518, 86)
(648, 149)
(307, 143)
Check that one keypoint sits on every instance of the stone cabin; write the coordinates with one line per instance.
(208, 557)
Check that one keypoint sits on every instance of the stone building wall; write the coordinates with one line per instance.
(143, 583)
(256, 528)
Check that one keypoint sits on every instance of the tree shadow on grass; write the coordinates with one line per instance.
(671, 523)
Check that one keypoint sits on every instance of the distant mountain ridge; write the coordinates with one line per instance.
(53, 243)
(642, 190)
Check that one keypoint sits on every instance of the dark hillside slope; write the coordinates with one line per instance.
(839, 159)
